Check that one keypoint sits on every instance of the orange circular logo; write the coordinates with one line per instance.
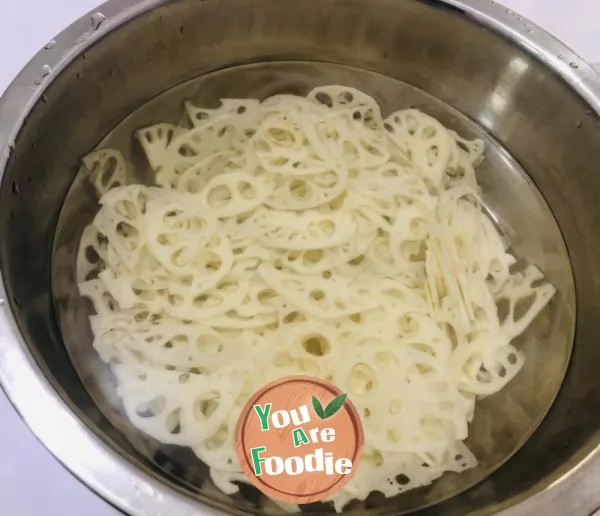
(299, 439)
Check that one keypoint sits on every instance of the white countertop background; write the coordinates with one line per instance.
(32, 482)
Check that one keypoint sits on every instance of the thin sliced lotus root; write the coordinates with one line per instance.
(174, 407)
(227, 295)
(351, 99)
(309, 230)
(209, 267)
(399, 295)
(218, 451)
(358, 147)
(310, 261)
(527, 294)
(121, 221)
(107, 169)
(91, 254)
(190, 346)
(197, 176)
(392, 181)
(199, 116)
(227, 195)
(380, 258)
(199, 142)
(424, 140)
(306, 192)
(356, 248)
(280, 146)
(295, 164)
(260, 299)
(233, 319)
(486, 364)
(473, 149)
(178, 231)
(247, 227)
(104, 304)
(323, 298)
(155, 141)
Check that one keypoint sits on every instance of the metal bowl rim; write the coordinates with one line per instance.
(47, 415)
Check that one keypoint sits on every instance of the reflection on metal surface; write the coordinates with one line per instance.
(503, 91)
(545, 114)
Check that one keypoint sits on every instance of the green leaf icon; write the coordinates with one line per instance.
(318, 407)
(335, 405)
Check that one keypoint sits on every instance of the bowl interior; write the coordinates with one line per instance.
(502, 423)
(403, 53)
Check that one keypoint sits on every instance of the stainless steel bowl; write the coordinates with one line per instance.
(479, 67)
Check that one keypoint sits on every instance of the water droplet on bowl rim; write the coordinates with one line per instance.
(46, 71)
(97, 19)
(144, 489)
(50, 45)
(573, 64)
